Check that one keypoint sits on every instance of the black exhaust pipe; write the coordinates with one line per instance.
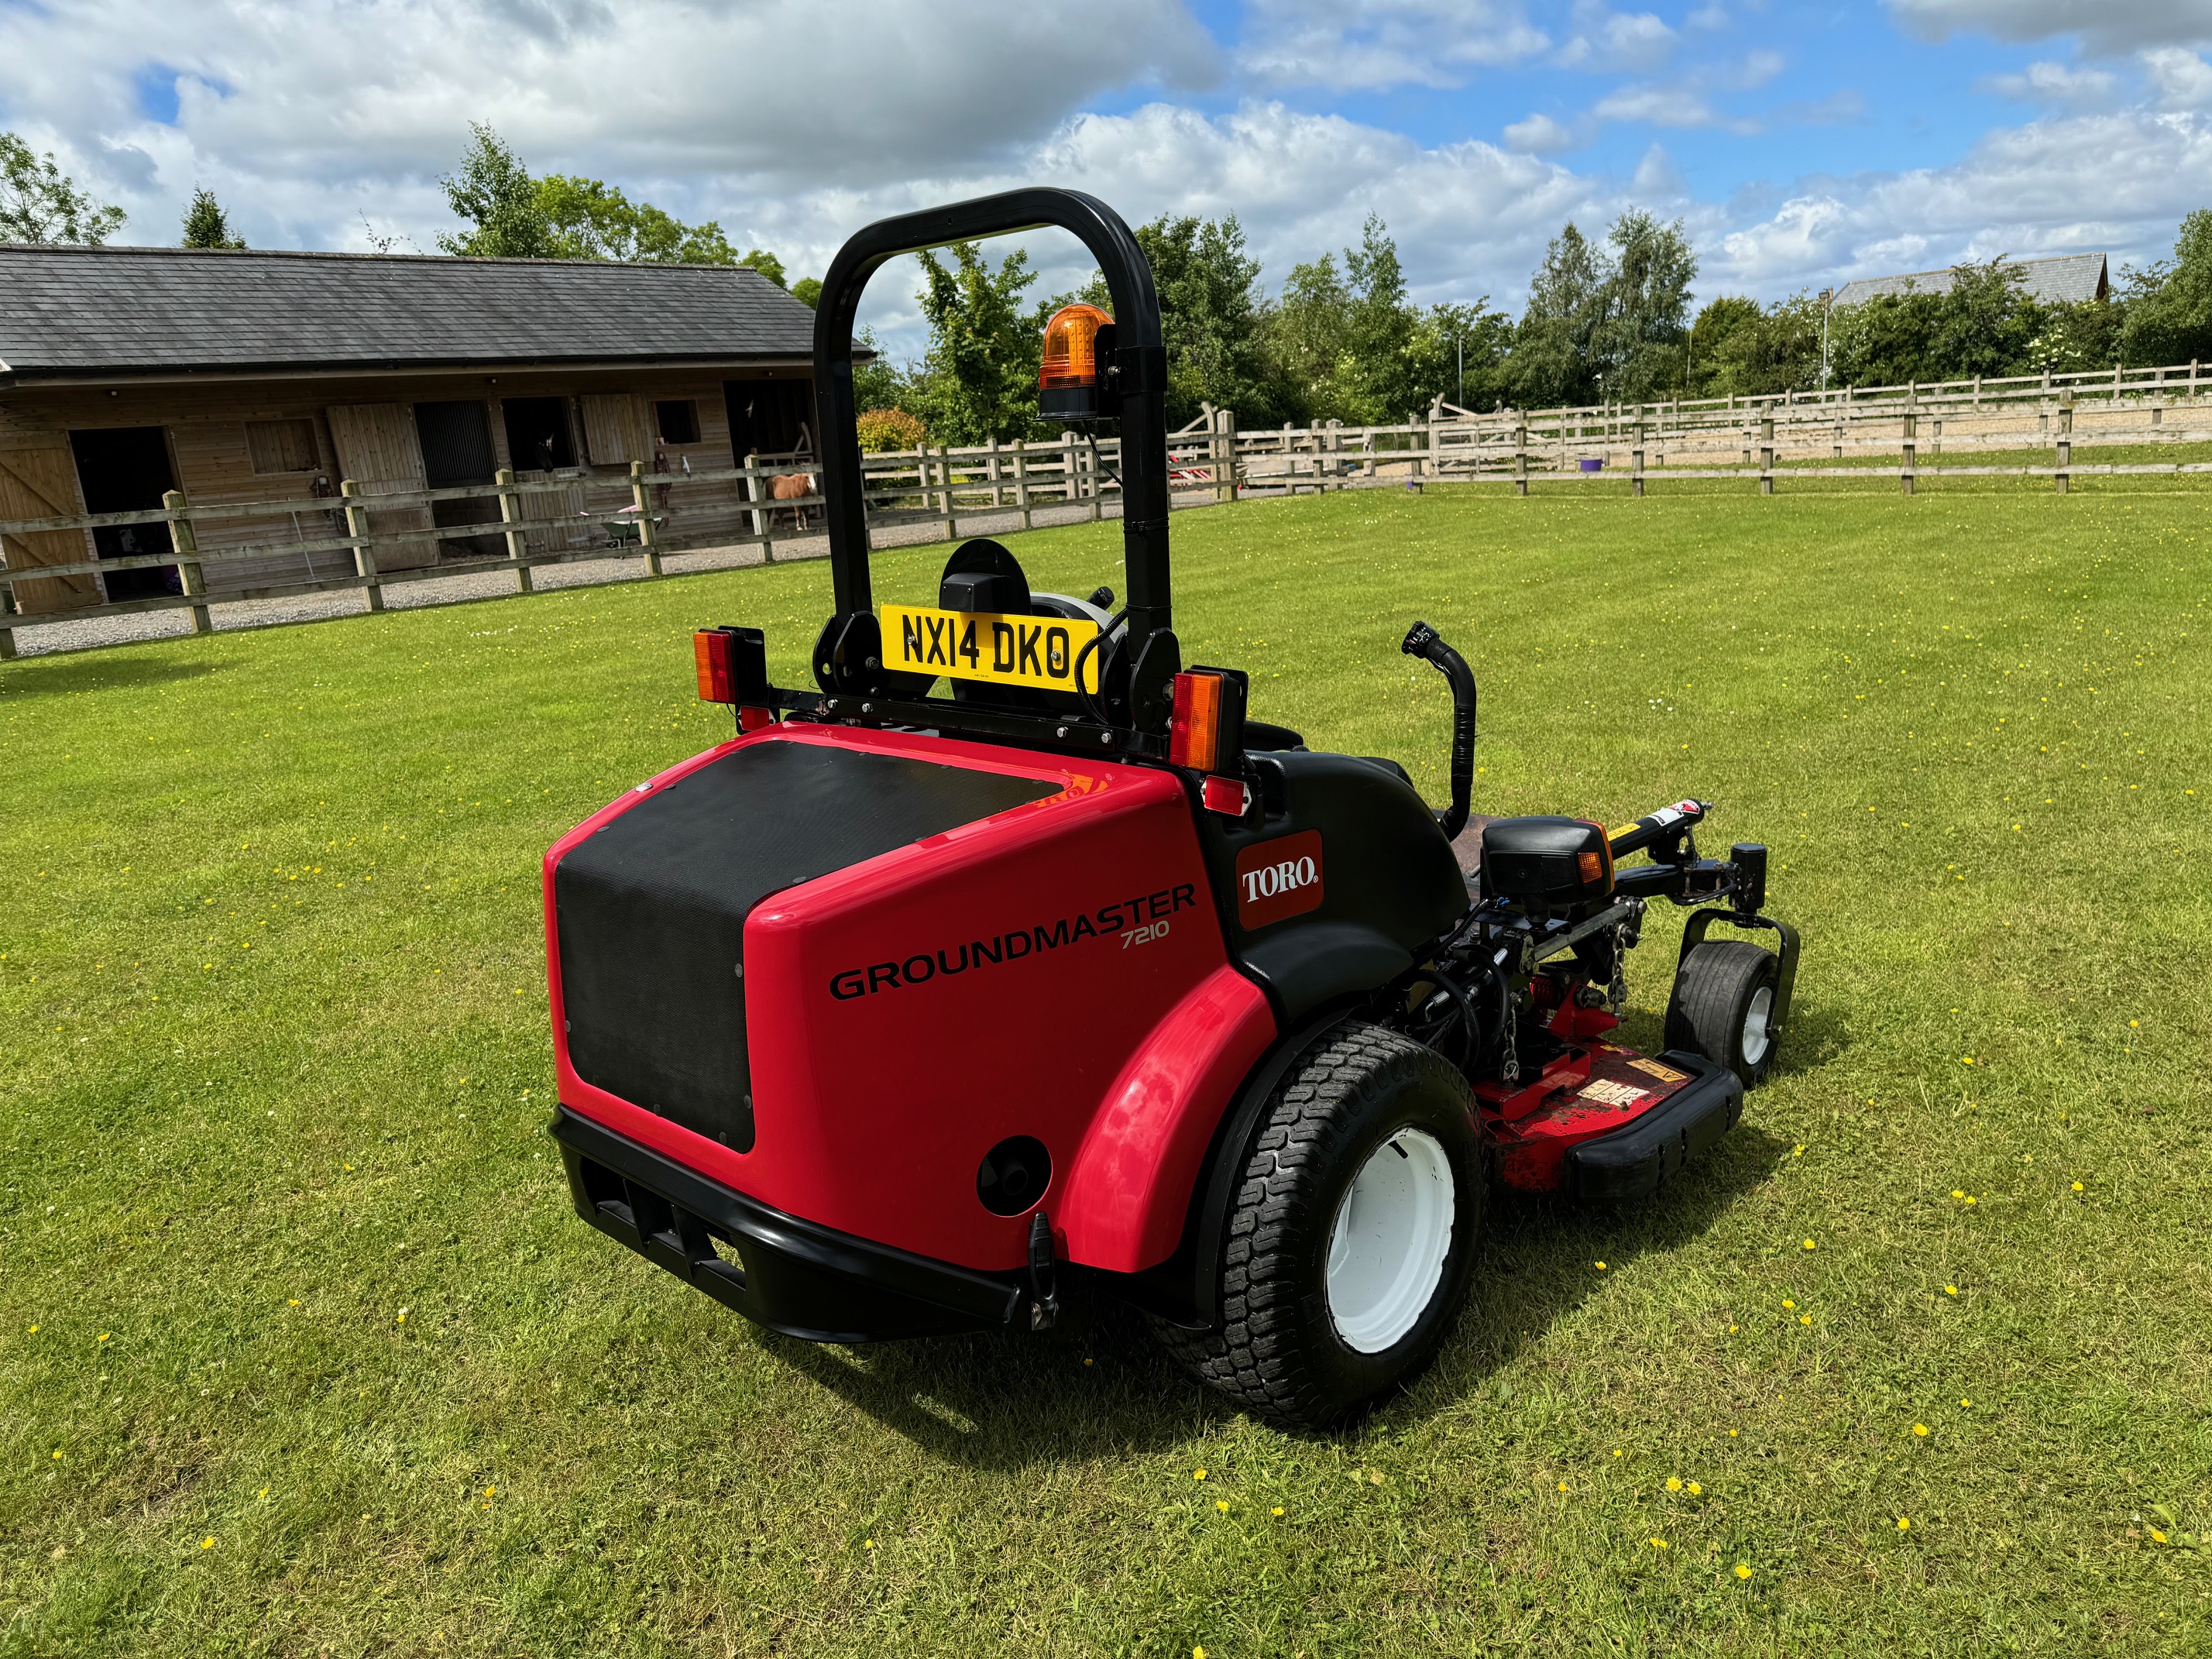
(1423, 640)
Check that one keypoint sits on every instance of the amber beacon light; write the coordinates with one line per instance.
(1067, 381)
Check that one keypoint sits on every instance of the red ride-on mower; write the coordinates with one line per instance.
(900, 1009)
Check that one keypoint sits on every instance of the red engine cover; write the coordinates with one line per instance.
(1056, 970)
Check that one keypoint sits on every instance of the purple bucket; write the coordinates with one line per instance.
(1593, 463)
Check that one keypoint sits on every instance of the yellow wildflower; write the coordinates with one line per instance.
(1221, 1504)
(1804, 1319)
(207, 1543)
(1600, 1266)
(1920, 1429)
(1742, 1570)
(2077, 1188)
(1904, 1525)
(1674, 1483)
(1950, 1290)
(1658, 1543)
(1198, 1474)
(2157, 1537)
(1808, 1243)
(1277, 1510)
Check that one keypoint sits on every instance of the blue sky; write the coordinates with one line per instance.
(1800, 144)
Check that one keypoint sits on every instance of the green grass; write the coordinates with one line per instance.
(275, 1067)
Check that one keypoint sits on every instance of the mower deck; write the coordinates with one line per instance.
(1603, 1122)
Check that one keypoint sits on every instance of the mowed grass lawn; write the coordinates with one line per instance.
(303, 1352)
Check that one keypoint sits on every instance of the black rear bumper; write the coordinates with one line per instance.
(1635, 1160)
(791, 1275)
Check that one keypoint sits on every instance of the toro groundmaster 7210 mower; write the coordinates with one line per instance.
(891, 1014)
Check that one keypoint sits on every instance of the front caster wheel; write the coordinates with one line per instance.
(1347, 1240)
(1724, 1006)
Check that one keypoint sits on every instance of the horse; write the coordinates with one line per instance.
(792, 487)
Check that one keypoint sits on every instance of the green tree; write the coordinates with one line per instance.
(495, 194)
(39, 202)
(1886, 340)
(1553, 347)
(2168, 305)
(587, 219)
(808, 291)
(877, 382)
(1984, 324)
(1210, 311)
(206, 225)
(515, 215)
(2071, 335)
(1636, 337)
(1736, 346)
(980, 378)
(1458, 353)
(1344, 346)
(1606, 321)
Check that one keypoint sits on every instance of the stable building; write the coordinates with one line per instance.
(2063, 280)
(244, 376)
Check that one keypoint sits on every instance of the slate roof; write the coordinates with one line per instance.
(2067, 276)
(114, 312)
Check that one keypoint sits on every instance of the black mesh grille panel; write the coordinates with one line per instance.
(651, 910)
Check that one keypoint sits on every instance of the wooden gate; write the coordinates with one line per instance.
(41, 483)
(379, 450)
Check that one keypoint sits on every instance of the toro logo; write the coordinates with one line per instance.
(1279, 878)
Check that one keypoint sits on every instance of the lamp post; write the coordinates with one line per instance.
(1827, 305)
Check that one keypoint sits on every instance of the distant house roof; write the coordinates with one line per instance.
(2067, 276)
(76, 312)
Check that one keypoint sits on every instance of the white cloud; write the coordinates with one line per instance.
(315, 112)
(2103, 26)
(1539, 135)
(2054, 83)
(2117, 182)
(1611, 41)
(1675, 104)
(2181, 79)
(1658, 183)
(1384, 43)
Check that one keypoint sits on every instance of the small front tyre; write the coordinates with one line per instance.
(1724, 1006)
(1346, 1245)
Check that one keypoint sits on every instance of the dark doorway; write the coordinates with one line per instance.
(771, 417)
(125, 469)
(457, 450)
(538, 435)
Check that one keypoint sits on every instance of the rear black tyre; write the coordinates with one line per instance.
(1347, 1242)
(1724, 1006)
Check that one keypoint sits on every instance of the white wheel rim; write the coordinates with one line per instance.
(1387, 1245)
(1754, 1024)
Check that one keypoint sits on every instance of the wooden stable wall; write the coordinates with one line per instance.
(296, 439)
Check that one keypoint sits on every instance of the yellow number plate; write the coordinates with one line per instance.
(980, 644)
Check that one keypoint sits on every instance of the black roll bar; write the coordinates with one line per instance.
(1137, 373)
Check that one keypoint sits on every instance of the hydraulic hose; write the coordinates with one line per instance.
(1423, 640)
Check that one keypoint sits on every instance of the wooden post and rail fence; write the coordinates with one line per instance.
(221, 554)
